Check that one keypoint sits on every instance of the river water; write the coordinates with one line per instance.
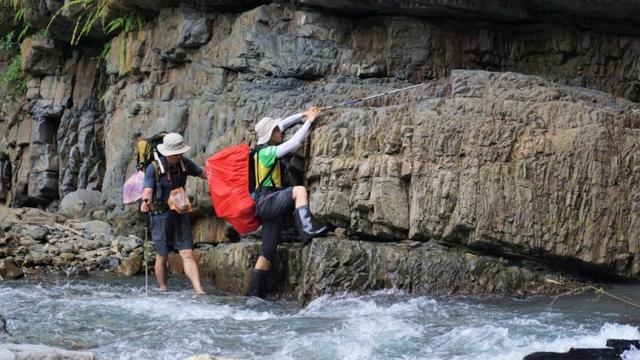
(113, 318)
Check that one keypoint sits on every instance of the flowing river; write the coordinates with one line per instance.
(113, 318)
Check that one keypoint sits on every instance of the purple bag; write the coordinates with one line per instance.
(132, 189)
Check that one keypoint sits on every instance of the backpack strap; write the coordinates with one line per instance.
(268, 176)
(156, 168)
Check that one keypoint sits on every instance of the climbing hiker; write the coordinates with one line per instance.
(273, 201)
(170, 229)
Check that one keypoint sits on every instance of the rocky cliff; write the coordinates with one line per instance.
(541, 166)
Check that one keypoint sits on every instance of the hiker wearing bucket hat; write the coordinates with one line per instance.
(273, 201)
(170, 230)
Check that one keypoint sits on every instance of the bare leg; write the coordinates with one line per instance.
(300, 196)
(263, 264)
(161, 272)
(191, 269)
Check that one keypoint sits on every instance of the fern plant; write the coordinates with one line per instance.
(20, 8)
(14, 80)
(124, 23)
(91, 11)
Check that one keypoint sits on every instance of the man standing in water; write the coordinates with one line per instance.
(170, 230)
(273, 201)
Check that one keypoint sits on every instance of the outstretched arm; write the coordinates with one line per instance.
(289, 121)
(297, 138)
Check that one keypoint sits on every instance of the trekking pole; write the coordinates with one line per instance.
(356, 101)
(146, 251)
(146, 255)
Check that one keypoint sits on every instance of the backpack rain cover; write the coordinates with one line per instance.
(228, 174)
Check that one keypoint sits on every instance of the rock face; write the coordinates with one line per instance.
(524, 174)
(502, 163)
(337, 265)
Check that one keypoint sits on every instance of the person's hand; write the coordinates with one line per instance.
(312, 113)
(144, 205)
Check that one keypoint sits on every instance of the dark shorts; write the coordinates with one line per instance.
(271, 206)
(171, 231)
(273, 203)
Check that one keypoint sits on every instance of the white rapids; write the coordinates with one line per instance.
(113, 318)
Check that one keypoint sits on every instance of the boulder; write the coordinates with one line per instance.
(613, 351)
(207, 357)
(36, 232)
(96, 227)
(130, 266)
(130, 242)
(9, 269)
(80, 203)
(76, 272)
(26, 352)
(5, 336)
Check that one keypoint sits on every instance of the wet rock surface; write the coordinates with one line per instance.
(26, 352)
(614, 351)
(9, 350)
(337, 265)
(5, 336)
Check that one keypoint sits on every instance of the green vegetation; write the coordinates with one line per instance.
(14, 80)
(94, 12)
(8, 42)
(20, 7)
(104, 54)
(91, 16)
(90, 11)
(124, 23)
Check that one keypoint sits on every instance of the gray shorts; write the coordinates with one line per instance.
(272, 205)
(171, 231)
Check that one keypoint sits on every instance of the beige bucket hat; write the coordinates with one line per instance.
(264, 128)
(173, 144)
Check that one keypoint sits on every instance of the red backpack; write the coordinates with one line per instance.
(228, 173)
(231, 174)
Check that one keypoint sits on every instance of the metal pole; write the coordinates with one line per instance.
(145, 246)
(355, 101)
(146, 255)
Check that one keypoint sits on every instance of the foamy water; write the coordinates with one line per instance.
(113, 318)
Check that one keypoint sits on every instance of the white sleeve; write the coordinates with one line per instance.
(295, 141)
(288, 121)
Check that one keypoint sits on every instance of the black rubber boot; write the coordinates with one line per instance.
(231, 234)
(257, 283)
(307, 225)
